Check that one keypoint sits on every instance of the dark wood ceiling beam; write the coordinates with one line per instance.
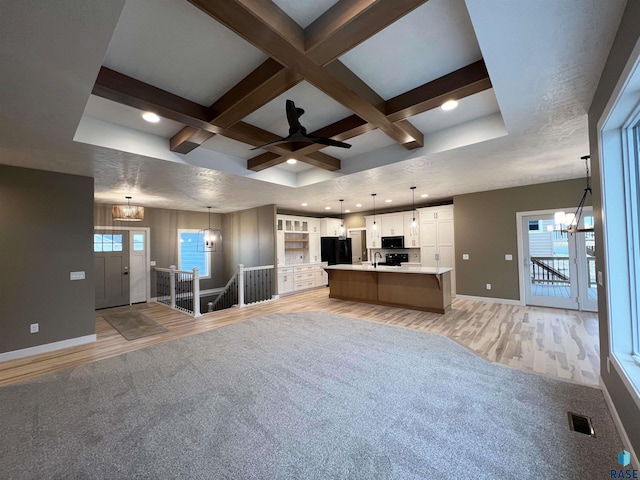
(271, 79)
(257, 27)
(129, 91)
(264, 161)
(349, 23)
(350, 80)
(187, 139)
(463, 82)
(123, 89)
(270, 159)
(261, 85)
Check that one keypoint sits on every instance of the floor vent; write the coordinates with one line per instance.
(581, 424)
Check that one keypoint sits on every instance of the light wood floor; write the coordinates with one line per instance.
(558, 343)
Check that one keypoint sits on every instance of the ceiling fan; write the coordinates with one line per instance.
(297, 133)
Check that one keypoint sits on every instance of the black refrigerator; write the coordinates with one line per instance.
(335, 251)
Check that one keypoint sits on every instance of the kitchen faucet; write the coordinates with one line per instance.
(374, 258)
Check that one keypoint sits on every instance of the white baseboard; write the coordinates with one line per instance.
(616, 420)
(46, 348)
(488, 299)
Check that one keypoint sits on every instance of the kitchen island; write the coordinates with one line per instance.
(419, 288)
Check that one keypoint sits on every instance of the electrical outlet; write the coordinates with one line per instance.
(508, 257)
(465, 256)
(34, 328)
(76, 276)
(488, 286)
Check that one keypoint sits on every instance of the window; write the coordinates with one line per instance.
(619, 166)
(634, 221)
(189, 256)
(138, 242)
(107, 243)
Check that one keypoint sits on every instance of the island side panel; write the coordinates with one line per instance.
(424, 292)
(353, 285)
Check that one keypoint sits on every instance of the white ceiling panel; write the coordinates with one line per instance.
(367, 142)
(319, 110)
(435, 39)
(304, 12)
(119, 114)
(172, 45)
(469, 108)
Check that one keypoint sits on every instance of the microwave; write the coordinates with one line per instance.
(393, 242)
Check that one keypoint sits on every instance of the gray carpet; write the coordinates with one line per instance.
(132, 324)
(302, 396)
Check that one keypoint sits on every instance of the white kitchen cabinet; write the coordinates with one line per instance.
(280, 253)
(392, 224)
(330, 227)
(411, 238)
(322, 278)
(373, 235)
(437, 246)
(314, 225)
(314, 247)
(285, 280)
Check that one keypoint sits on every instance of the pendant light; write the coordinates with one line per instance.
(342, 234)
(572, 220)
(128, 212)
(210, 239)
(374, 227)
(414, 223)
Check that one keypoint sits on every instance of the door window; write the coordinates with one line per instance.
(107, 242)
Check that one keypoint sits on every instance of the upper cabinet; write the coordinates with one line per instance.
(330, 227)
(411, 234)
(392, 224)
(314, 225)
(373, 234)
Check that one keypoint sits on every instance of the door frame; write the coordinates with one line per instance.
(363, 234)
(522, 281)
(147, 243)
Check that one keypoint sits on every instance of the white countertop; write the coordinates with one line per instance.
(387, 269)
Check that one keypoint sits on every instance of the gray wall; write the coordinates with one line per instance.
(249, 238)
(46, 229)
(164, 225)
(485, 228)
(626, 39)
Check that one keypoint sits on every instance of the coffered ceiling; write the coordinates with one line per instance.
(369, 73)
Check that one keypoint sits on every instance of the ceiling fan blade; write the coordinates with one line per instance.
(293, 114)
(275, 142)
(328, 141)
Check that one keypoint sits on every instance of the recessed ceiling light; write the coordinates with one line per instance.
(358, 205)
(347, 211)
(449, 105)
(388, 200)
(304, 204)
(151, 117)
(327, 208)
(424, 195)
(292, 161)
